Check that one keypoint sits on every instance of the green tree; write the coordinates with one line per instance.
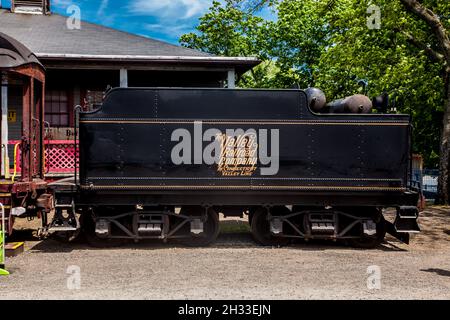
(403, 57)
(390, 63)
(227, 30)
(435, 15)
(332, 44)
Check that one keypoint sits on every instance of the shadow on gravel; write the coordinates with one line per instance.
(225, 241)
(441, 272)
(234, 234)
(23, 235)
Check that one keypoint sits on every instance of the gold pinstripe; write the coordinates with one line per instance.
(246, 178)
(255, 122)
(200, 187)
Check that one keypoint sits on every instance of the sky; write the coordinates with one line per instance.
(165, 20)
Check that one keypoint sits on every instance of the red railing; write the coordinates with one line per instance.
(59, 158)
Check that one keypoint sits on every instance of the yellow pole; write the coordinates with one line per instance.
(16, 146)
(7, 174)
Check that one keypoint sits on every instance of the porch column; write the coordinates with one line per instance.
(231, 79)
(4, 125)
(123, 78)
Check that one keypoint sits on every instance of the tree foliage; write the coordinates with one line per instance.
(328, 44)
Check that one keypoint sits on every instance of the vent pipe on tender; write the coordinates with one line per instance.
(357, 103)
(316, 99)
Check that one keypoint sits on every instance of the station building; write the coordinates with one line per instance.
(81, 63)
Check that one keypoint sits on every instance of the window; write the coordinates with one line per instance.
(57, 108)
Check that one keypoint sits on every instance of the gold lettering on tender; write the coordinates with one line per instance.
(238, 155)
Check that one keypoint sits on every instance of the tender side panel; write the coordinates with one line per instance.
(128, 142)
(198, 104)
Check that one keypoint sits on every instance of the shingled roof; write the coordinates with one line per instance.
(49, 38)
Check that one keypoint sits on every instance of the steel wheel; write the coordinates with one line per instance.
(260, 227)
(370, 242)
(210, 227)
(88, 228)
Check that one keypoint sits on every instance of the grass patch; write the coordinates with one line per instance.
(234, 227)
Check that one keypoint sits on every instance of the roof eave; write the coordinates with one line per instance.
(238, 62)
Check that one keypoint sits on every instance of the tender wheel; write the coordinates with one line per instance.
(370, 242)
(88, 229)
(210, 227)
(260, 227)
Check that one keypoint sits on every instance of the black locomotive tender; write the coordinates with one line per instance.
(307, 169)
